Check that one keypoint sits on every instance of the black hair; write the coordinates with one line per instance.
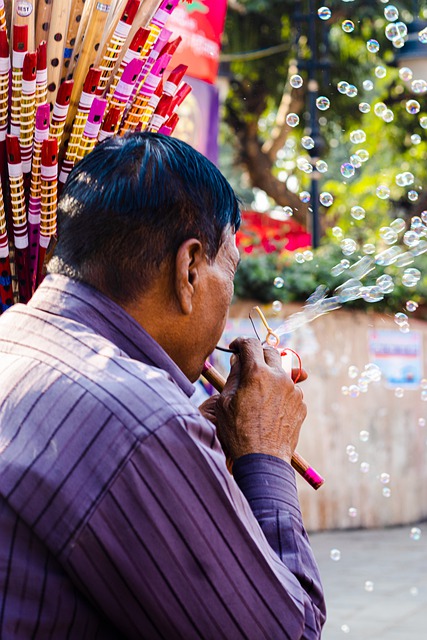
(129, 205)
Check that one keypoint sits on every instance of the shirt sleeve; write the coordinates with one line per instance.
(175, 550)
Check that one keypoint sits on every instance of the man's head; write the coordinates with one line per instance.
(137, 214)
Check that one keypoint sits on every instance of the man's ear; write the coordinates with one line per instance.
(189, 262)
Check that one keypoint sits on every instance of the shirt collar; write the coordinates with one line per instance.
(63, 296)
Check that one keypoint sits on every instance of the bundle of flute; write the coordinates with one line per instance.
(72, 73)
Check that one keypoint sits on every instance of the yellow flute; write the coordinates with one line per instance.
(48, 193)
(28, 100)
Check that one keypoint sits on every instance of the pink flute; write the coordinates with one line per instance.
(151, 106)
(6, 294)
(174, 78)
(299, 464)
(148, 67)
(161, 113)
(48, 190)
(19, 217)
(133, 52)
(170, 125)
(28, 97)
(163, 13)
(41, 75)
(41, 133)
(92, 127)
(20, 48)
(110, 124)
(4, 84)
(125, 86)
(60, 110)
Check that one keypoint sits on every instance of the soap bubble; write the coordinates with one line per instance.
(419, 86)
(379, 109)
(351, 91)
(344, 627)
(363, 155)
(373, 46)
(299, 257)
(364, 107)
(391, 13)
(326, 199)
(368, 85)
(413, 195)
(350, 449)
(388, 115)
(352, 512)
(411, 277)
(344, 390)
(347, 26)
(321, 166)
(412, 106)
(364, 467)
(358, 213)
(342, 87)
(353, 392)
(364, 436)
(353, 371)
(335, 555)
(357, 136)
(305, 196)
(368, 248)
(348, 246)
(398, 225)
(292, 119)
(278, 282)
(405, 73)
(402, 28)
(380, 71)
(296, 81)
(399, 392)
(347, 170)
(400, 318)
(323, 103)
(307, 142)
(411, 238)
(276, 306)
(391, 32)
(415, 533)
(386, 492)
(383, 192)
(385, 283)
(388, 235)
(423, 122)
(385, 478)
(411, 306)
(399, 42)
(415, 138)
(369, 586)
(355, 161)
(422, 36)
(324, 13)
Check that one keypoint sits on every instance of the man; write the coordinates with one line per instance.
(118, 517)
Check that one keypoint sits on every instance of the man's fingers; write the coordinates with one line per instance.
(272, 357)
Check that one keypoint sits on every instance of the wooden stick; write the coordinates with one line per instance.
(55, 47)
(43, 17)
(299, 464)
(74, 21)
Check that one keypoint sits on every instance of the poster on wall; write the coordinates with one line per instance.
(398, 355)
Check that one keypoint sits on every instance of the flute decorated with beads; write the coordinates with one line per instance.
(93, 126)
(41, 133)
(299, 464)
(48, 192)
(135, 51)
(41, 74)
(109, 124)
(161, 114)
(19, 216)
(28, 99)
(151, 106)
(20, 48)
(124, 87)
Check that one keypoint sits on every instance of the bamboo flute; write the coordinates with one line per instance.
(43, 16)
(299, 464)
(92, 127)
(124, 87)
(60, 110)
(76, 19)
(3, 22)
(24, 14)
(135, 50)
(20, 48)
(55, 47)
(48, 191)
(27, 110)
(41, 75)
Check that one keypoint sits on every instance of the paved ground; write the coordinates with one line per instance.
(378, 588)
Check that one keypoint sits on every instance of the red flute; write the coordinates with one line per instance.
(60, 110)
(176, 75)
(180, 96)
(19, 217)
(92, 127)
(110, 124)
(299, 464)
(4, 84)
(41, 75)
(161, 113)
(171, 47)
(20, 48)
(6, 295)
(41, 133)
(48, 189)
(170, 125)
(28, 98)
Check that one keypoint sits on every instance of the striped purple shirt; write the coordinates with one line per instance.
(118, 517)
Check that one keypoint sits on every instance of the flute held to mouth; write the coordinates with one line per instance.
(278, 402)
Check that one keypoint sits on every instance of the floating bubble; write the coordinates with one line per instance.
(405, 73)
(352, 512)
(342, 87)
(321, 166)
(369, 586)
(344, 390)
(368, 85)
(276, 306)
(400, 318)
(296, 81)
(422, 36)
(299, 257)
(326, 199)
(344, 627)
(385, 283)
(353, 371)
(324, 13)
(305, 196)
(368, 248)
(413, 195)
(388, 256)
(385, 478)
(412, 107)
(308, 255)
(337, 232)
(411, 277)
(364, 107)
(388, 115)
(413, 591)
(398, 42)
(421, 422)
(386, 492)
(416, 223)
(373, 46)
(278, 282)
(347, 26)
(402, 28)
(364, 467)
(411, 306)
(323, 103)
(424, 396)
(388, 235)
(411, 238)
(391, 13)
(405, 328)
(364, 436)
(398, 225)
(348, 246)
(288, 212)
(350, 449)
(372, 294)
(353, 392)
(380, 71)
(373, 372)
(415, 534)
(391, 32)
(335, 555)
(357, 136)
(358, 213)
(415, 138)
(347, 170)
(419, 86)
(399, 392)
(292, 119)
(351, 91)
(405, 179)
(423, 122)
(307, 142)
(383, 192)
(379, 109)
(423, 383)
(355, 161)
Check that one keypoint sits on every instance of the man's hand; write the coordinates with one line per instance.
(260, 409)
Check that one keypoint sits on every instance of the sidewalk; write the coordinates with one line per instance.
(377, 590)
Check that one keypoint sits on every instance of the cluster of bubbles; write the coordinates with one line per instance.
(371, 373)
